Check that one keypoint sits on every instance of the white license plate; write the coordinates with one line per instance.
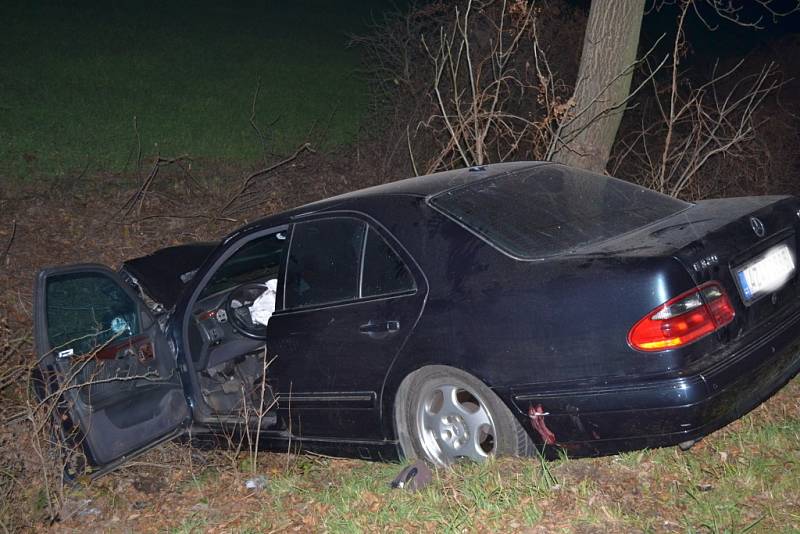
(767, 273)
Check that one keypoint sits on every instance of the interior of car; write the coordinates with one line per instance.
(228, 327)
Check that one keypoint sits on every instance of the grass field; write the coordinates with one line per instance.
(94, 84)
(742, 479)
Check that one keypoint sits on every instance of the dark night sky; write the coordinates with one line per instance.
(728, 39)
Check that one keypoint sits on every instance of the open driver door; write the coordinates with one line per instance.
(106, 371)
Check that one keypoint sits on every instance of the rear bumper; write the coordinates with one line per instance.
(609, 418)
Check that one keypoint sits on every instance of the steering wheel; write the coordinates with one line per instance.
(238, 307)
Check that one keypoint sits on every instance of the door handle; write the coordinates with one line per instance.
(376, 327)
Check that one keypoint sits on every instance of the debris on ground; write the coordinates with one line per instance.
(257, 483)
(414, 477)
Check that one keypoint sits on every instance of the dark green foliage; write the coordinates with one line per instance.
(96, 85)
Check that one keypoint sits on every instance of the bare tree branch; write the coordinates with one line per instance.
(248, 180)
(10, 241)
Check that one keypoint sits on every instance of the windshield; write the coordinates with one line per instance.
(552, 209)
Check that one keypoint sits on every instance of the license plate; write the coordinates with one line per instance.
(766, 273)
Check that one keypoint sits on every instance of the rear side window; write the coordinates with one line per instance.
(324, 262)
(552, 210)
(384, 271)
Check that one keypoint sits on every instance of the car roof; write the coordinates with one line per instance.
(419, 186)
(432, 184)
(424, 186)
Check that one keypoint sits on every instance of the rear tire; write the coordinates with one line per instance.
(443, 414)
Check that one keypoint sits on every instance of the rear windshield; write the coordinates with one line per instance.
(551, 209)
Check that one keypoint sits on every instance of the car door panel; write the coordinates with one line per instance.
(330, 360)
(325, 365)
(105, 364)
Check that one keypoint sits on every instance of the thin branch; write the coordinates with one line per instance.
(411, 152)
(136, 200)
(10, 241)
(249, 179)
(252, 119)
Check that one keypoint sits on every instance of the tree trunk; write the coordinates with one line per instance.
(604, 82)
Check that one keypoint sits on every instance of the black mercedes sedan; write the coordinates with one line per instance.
(492, 310)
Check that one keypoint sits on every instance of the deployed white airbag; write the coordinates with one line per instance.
(264, 306)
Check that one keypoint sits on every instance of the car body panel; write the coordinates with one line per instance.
(601, 418)
(160, 273)
(328, 369)
(328, 374)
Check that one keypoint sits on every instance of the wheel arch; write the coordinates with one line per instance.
(506, 432)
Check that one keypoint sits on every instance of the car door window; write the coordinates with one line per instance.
(258, 260)
(324, 262)
(86, 311)
(384, 271)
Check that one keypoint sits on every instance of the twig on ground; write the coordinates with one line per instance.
(136, 200)
(152, 464)
(209, 217)
(10, 241)
(247, 182)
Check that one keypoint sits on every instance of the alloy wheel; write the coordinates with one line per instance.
(454, 423)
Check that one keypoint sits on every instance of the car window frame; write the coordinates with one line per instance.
(370, 223)
(363, 264)
(144, 317)
(231, 249)
(289, 254)
(227, 256)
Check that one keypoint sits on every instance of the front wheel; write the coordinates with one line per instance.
(444, 414)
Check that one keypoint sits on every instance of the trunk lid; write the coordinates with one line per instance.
(715, 239)
(739, 233)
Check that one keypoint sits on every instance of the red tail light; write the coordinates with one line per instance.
(683, 320)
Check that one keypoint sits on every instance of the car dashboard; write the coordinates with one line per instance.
(228, 348)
